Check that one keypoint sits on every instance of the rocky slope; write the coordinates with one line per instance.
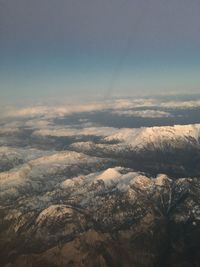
(114, 217)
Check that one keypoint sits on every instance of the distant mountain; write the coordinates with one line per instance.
(174, 150)
(174, 136)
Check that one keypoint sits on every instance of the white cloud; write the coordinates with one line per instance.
(95, 131)
(181, 104)
(117, 105)
(148, 113)
(66, 109)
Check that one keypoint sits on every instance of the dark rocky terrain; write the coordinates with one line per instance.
(156, 222)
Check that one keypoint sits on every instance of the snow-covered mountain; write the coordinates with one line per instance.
(86, 216)
(43, 173)
(76, 192)
(174, 150)
(172, 135)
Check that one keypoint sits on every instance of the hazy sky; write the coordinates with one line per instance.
(98, 47)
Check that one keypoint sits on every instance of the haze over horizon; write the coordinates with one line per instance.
(98, 48)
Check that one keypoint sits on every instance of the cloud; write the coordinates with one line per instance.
(119, 106)
(94, 131)
(67, 109)
(181, 104)
(147, 113)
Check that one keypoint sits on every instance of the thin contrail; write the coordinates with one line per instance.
(115, 77)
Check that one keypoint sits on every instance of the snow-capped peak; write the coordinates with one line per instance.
(141, 136)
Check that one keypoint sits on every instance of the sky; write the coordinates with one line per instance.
(98, 48)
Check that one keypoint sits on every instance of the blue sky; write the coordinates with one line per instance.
(62, 48)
